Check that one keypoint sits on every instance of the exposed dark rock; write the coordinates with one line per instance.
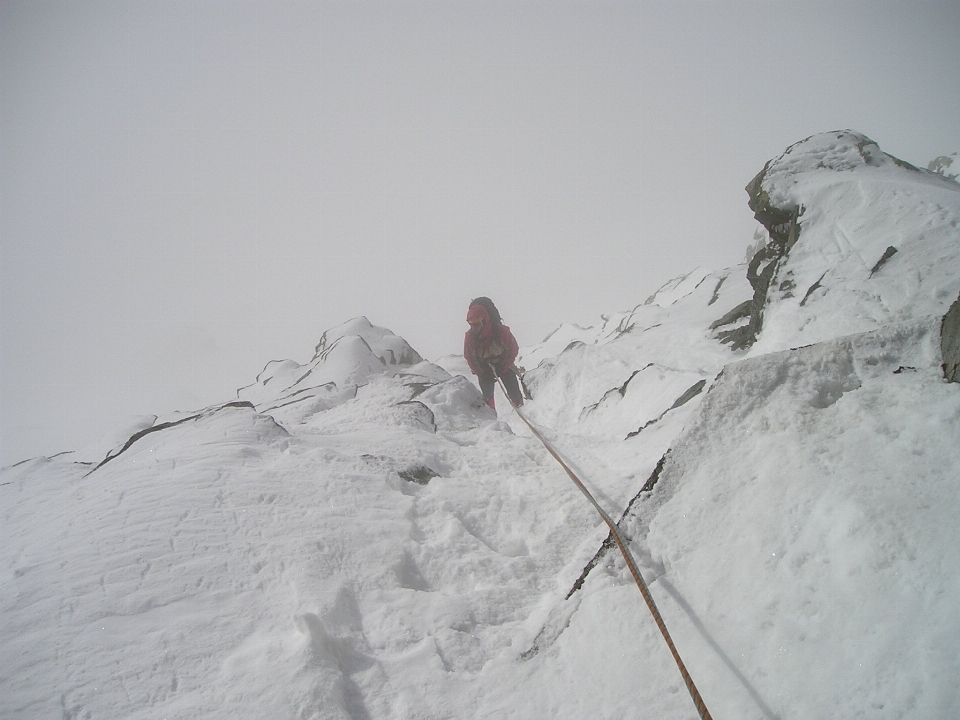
(303, 398)
(419, 474)
(623, 388)
(642, 428)
(811, 289)
(621, 391)
(594, 561)
(783, 226)
(872, 155)
(716, 291)
(940, 164)
(687, 396)
(887, 254)
(527, 395)
(163, 426)
(609, 542)
(787, 286)
(237, 404)
(950, 342)
(650, 483)
(738, 313)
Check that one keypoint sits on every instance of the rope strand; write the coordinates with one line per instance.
(627, 556)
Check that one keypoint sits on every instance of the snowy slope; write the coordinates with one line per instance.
(361, 537)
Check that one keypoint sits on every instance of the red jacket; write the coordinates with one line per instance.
(495, 344)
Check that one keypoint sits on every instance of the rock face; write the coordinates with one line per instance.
(950, 342)
(782, 223)
(780, 195)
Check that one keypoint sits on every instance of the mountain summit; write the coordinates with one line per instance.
(361, 537)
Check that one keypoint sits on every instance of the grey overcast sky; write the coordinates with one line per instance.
(191, 189)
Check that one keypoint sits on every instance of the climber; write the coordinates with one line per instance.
(490, 350)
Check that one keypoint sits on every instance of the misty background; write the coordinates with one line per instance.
(189, 190)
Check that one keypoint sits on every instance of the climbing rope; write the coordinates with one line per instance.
(627, 556)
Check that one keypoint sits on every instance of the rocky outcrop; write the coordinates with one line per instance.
(887, 254)
(950, 342)
(346, 356)
(782, 224)
(774, 198)
(390, 349)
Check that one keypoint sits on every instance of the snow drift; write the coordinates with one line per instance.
(361, 537)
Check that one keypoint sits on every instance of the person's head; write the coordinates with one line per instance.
(478, 318)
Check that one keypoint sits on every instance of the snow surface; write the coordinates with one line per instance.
(361, 537)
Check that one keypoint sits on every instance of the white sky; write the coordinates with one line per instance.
(191, 189)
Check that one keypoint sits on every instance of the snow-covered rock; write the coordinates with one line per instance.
(345, 357)
(858, 239)
(950, 342)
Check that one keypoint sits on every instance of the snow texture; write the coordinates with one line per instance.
(361, 537)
